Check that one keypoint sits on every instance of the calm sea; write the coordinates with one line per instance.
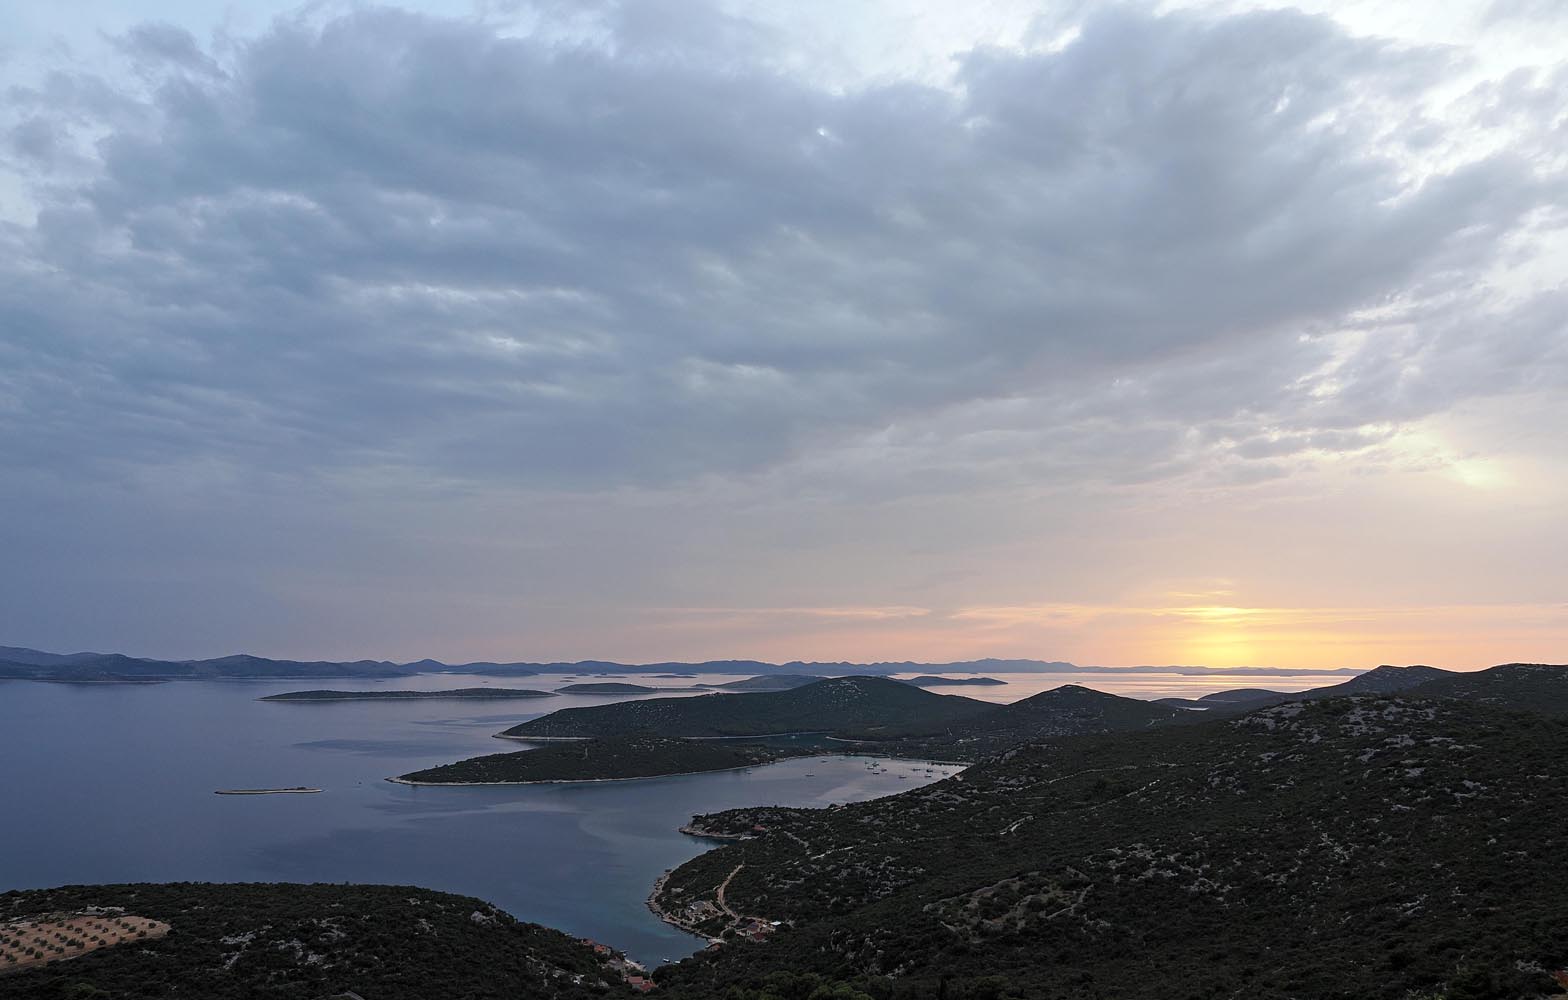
(115, 783)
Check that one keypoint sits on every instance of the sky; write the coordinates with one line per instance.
(1216, 333)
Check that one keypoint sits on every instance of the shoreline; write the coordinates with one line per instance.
(703, 834)
(267, 791)
(673, 774)
(753, 736)
(589, 781)
(290, 698)
(652, 902)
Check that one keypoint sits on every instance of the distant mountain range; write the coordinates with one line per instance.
(17, 662)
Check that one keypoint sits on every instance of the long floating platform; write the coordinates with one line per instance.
(301, 790)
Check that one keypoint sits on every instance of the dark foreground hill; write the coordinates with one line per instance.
(1525, 687)
(1528, 687)
(310, 941)
(1385, 679)
(1365, 848)
(849, 706)
(1069, 710)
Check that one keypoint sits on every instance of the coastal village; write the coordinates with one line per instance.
(632, 973)
(713, 918)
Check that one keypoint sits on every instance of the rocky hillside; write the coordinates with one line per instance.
(1375, 847)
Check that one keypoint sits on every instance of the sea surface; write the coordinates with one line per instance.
(114, 783)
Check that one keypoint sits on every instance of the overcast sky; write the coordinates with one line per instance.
(1211, 333)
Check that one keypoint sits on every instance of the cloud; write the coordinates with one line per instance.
(385, 239)
(630, 306)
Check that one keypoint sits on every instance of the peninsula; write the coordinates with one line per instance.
(613, 759)
(928, 680)
(615, 687)
(295, 790)
(860, 707)
(464, 694)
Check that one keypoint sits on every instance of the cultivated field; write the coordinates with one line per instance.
(59, 936)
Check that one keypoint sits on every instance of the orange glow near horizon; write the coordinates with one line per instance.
(1219, 636)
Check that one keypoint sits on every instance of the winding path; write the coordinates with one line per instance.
(720, 894)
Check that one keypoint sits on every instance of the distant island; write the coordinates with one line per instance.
(855, 707)
(617, 758)
(615, 687)
(927, 680)
(470, 694)
(896, 716)
(766, 682)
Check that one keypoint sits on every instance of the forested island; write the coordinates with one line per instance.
(616, 687)
(766, 682)
(892, 718)
(461, 694)
(639, 756)
(870, 707)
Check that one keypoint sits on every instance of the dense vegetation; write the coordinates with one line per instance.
(897, 717)
(847, 706)
(308, 942)
(479, 694)
(1350, 848)
(1065, 711)
(638, 756)
(1534, 687)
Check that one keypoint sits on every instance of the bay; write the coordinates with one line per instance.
(115, 783)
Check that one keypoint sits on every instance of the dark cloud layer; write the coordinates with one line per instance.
(391, 240)
(281, 290)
